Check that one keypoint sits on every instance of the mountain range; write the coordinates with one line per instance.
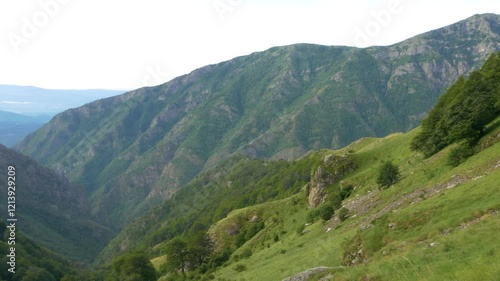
(134, 150)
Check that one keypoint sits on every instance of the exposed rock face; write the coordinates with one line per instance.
(333, 168)
(321, 180)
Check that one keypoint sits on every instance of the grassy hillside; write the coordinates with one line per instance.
(436, 223)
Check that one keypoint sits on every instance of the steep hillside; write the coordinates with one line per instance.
(430, 225)
(280, 103)
(436, 223)
(31, 261)
(50, 210)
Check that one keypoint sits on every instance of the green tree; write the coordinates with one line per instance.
(200, 249)
(132, 267)
(388, 175)
(463, 112)
(177, 254)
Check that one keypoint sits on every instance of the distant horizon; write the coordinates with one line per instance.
(34, 101)
(52, 44)
(66, 89)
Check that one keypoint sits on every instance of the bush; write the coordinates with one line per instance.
(388, 175)
(246, 253)
(459, 155)
(345, 192)
(240, 240)
(343, 214)
(240, 267)
(220, 258)
(327, 212)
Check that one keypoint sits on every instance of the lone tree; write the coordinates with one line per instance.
(388, 175)
(177, 254)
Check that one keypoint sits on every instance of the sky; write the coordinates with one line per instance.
(128, 44)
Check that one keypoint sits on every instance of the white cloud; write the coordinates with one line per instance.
(15, 102)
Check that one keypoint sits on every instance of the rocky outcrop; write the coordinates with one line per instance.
(332, 169)
(320, 181)
(306, 275)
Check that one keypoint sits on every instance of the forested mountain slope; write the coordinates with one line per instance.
(50, 210)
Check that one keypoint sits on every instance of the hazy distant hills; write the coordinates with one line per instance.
(24, 109)
(36, 101)
(14, 127)
(132, 150)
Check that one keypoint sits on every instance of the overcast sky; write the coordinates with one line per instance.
(127, 44)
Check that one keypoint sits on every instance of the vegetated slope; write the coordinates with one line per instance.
(278, 103)
(434, 222)
(31, 261)
(234, 184)
(438, 218)
(50, 210)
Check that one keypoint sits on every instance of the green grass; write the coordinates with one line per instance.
(447, 235)
(293, 252)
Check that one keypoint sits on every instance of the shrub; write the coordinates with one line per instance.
(327, 212)
(345, 192)
(312, 215)
(240, 240)
(246, 253)
(388, 175)
(220, 258)
(343, 214)
(459, 154)
(240, 267)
